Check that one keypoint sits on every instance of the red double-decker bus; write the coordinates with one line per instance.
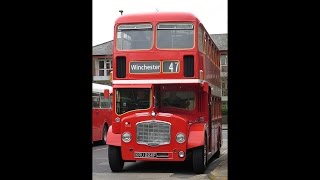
(166, 91)
(101, 112)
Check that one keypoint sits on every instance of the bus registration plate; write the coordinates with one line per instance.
(145, 155)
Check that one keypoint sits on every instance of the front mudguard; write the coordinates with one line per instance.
(113, 139)
(196, 135)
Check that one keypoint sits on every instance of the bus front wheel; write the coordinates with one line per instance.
(199, 159)
(115, 160)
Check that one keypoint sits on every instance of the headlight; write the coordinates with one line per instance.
(126, 137)
(180, 138)
(181, 154)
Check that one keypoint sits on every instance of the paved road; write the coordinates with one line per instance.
(149, 170)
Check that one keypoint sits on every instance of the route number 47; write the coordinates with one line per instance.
(174, 66)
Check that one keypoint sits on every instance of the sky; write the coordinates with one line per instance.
(212, 13)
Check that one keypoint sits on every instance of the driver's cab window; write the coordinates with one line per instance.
(132, 99)
(178, 99)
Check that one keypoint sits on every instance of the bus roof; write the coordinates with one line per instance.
(100, 88)
(156, 16)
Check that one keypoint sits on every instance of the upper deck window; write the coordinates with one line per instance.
(175, 35)
(134, 36)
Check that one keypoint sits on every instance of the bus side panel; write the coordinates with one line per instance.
(107, 116)
(113, 139)
(95, 125)
(196, 135)
(99, 120)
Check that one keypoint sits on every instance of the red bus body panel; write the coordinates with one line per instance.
(100, 117)
(156, 17)
(193, 123)
(101, 113)
(178, 124)
(113, 139)
(196, 135)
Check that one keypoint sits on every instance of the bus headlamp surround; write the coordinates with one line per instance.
(180, 137)
(126, 137)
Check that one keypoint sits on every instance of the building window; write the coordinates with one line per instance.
(224, 59)
(104, 67)
(224, 68)
(223, 84)
(224, 105)
(224, 92)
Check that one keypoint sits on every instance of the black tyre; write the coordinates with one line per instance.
(217, 154)
(200, 159)
(104, 135)
(115, 160)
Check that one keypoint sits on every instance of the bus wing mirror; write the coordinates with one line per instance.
(106, 93)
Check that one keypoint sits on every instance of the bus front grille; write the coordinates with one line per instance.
(153, 132)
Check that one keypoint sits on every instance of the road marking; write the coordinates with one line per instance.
(224, 151)
(103, 163)
(100, 149)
